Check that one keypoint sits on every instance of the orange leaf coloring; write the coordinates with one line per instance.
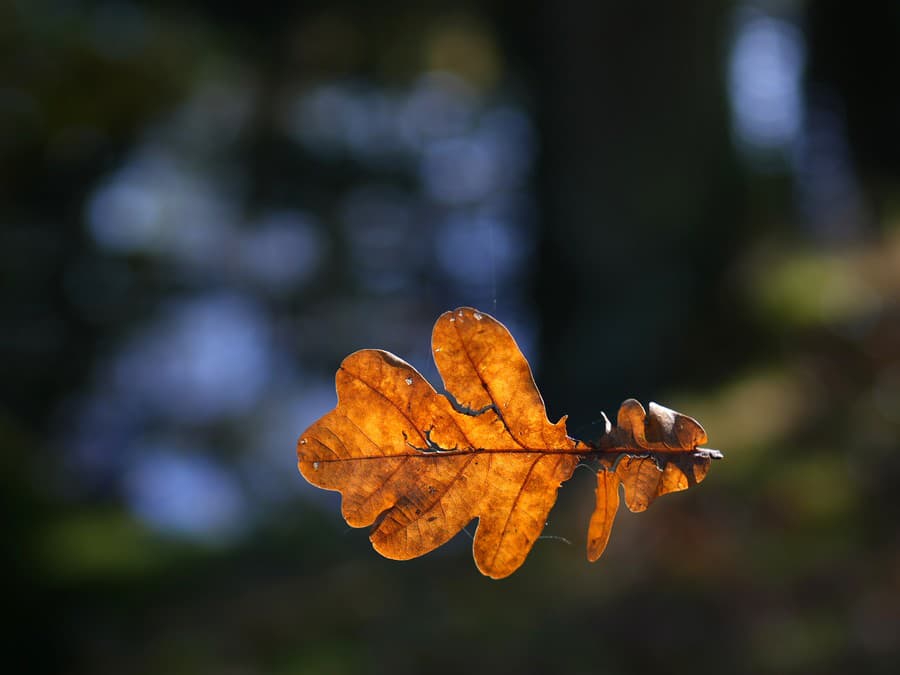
(420, 465)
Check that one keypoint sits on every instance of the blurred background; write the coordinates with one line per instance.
(206, 205)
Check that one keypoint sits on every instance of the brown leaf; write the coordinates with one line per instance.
(423, 468)
(604, 515)
(662, 452)
(420, 466)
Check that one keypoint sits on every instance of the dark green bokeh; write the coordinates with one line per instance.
(668, 266)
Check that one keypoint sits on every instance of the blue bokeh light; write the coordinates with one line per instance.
(204, 358)
(183, 491)
(158, 205)
(765, 73)
(281, 251)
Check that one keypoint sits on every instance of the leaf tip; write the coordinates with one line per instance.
(709, 453)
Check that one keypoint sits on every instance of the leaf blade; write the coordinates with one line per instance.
(602, 519)
(418, 466)
(404, 458)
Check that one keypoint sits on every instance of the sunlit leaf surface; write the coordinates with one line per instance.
(420, 466)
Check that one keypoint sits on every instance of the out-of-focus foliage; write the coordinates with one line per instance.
(205, 206)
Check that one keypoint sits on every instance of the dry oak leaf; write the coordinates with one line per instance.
(420, 465)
